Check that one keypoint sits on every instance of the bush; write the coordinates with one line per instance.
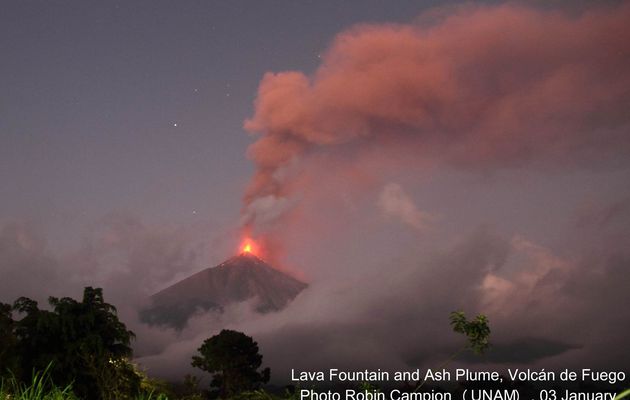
(40, 387)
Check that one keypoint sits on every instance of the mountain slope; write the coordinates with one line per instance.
(238, 279)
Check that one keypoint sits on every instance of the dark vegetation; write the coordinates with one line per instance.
(233, 360)
(81, 350)
(81, 344)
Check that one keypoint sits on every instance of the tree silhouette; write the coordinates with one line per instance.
(477, 332)
(85, 341)
(8, 341)
(233, 359)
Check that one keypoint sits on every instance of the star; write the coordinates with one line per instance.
(175, 125)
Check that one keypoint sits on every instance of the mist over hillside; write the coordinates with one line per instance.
(241, 278)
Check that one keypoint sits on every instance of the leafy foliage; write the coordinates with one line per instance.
(86, 342)
(476, 330)
(233, 359)
(623, 394)
(40, 387)
(8, 341)
(191, 389)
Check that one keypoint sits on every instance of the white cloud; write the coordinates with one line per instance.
(396, 203)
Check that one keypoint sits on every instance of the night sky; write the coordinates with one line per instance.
(405, 158)
(139, 106)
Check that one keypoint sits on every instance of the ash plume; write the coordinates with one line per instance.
(481, 88)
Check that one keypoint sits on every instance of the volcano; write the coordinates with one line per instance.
(241, 278)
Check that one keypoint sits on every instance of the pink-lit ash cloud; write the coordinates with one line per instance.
(478, 88)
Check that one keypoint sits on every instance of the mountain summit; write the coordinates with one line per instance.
(238, 279)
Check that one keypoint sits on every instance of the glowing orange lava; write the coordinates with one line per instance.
(248, 246)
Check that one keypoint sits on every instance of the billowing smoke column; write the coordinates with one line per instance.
(471, 87)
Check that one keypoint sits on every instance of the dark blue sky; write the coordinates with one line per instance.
(138, 106)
